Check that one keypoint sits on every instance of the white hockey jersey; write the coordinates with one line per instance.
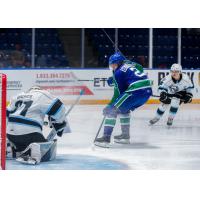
(27, 111)
(172, 86)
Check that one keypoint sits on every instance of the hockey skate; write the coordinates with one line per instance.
(27, 160)
(122, 139)
(103, 142)
(154, 120)
(169, 121)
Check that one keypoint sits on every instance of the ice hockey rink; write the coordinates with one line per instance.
(152, 147)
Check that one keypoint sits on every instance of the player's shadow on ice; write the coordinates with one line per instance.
(135, 145)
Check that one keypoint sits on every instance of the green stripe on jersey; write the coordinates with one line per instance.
(116, 91)
(139, 85)
(122, 99)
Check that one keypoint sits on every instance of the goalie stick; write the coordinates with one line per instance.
(53, 132)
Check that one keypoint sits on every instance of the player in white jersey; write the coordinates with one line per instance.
(25, 116)
(175, 88)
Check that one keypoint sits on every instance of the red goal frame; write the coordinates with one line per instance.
(3, 120)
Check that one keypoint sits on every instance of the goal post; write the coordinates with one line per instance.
(3, 84)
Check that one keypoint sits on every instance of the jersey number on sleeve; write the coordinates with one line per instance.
(137, 72)
(23, 106)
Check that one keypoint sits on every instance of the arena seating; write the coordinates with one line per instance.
(15, 46)
(134, 44)
(49, 51)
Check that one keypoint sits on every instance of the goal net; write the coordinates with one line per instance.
(2, 121)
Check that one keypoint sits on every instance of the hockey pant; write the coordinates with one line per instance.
(122, 106)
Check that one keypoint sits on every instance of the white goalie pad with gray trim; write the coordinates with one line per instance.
(39, 152)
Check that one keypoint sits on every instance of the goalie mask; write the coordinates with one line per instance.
(35, 87)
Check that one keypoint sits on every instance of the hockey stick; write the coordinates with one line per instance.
(153, 95)
(97, 134)
(169, 95)
(75, 102)
(52, 134)
(113, 43)
(71, 107)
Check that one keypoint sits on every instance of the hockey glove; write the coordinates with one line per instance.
(110, 111)
(110, 81)
(163, 96)
(187, 98)
(51, 121)
(180, 95)
(59, 127)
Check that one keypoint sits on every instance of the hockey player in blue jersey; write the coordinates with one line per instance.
(132, 89)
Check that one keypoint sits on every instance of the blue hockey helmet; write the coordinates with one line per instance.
(116, 58)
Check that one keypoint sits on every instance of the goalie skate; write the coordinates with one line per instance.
(27, 160)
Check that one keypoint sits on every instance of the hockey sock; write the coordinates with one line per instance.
(174, 107)
(109, 124)
(161, 110)
(125, 123)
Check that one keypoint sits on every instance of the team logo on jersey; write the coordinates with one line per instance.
(173, 88)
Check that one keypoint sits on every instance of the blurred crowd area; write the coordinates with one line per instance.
(60, 48)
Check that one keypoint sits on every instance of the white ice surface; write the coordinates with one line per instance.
(152, 147)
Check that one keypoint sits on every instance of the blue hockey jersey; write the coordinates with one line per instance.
(128, 78)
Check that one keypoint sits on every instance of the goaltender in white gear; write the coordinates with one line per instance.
(175, 89)
(25, 117)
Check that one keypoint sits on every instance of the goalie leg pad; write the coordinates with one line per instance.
(48, 150)
(39, 152)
